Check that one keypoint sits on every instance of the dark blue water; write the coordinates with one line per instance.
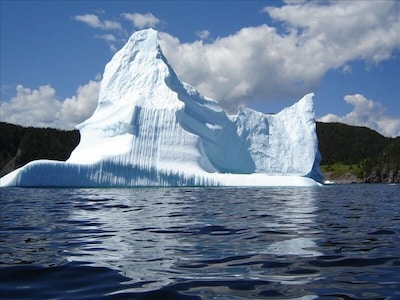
(333, 242)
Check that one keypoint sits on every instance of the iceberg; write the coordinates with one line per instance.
(151, 129)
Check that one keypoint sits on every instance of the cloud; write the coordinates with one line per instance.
(254, 63)
(79, 107)
(203, 34)
(350, 30)
(284, 62)
(112, 39)
(107, 37)
(32, 107)
(367, 113)
(89, 19)
(42, 108)
(119, 35)
(94, 21)
(109, 25)
(264, 63)
(141, 21)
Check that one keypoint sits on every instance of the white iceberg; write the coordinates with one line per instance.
(151, 129)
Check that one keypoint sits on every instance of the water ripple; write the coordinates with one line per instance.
(339, 242)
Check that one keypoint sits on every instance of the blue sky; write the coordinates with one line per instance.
(263, 54)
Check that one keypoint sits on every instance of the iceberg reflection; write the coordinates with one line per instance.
(160, 236)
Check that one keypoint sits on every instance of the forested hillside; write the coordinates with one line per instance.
(358, 153)
(20, 145)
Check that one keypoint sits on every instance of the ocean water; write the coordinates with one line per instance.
(331, 242)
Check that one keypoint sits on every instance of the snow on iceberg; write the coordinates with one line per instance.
(151, 129)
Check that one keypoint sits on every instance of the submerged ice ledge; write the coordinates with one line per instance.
(151, 129)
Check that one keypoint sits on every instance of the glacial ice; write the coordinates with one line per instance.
(151, 129)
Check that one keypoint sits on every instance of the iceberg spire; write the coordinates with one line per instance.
(150, 128)
(137, 72)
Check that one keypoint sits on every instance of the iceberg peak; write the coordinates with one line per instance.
(137, 73)
(151, 129)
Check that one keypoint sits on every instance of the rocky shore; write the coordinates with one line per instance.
(375, 177)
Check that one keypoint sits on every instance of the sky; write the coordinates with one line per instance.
(261, 54)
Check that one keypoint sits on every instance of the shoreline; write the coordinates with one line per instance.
(352, 178)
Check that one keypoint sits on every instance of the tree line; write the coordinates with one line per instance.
(375, 158)
(20, 145)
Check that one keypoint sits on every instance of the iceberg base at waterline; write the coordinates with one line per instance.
(46, 173)
(151, 129)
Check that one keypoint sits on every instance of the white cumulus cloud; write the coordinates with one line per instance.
(80, 106)
(255, 63)
(116, 35)
(107, 25)
(111, 25)
(90, 20)
(203, 34)
(268, 63)
(107, 37)
(95, 22)
(367, 113)
(42, 108)
(38, 107)
(141, 21)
